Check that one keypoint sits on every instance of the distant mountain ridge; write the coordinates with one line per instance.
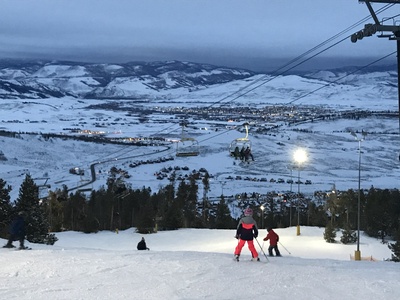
(21, 79)
(44, 79)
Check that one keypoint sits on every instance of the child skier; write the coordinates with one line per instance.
(245, 232)
(273, 238)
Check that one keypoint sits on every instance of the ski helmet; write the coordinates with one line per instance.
(248, 212)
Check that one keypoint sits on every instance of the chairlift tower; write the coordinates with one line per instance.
(392, 32)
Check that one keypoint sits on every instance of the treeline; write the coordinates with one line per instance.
(379, 211)
(118, 207)
(177, 205)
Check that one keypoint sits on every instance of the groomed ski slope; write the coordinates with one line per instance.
(196, 264)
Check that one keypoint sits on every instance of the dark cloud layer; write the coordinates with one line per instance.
(259, 35)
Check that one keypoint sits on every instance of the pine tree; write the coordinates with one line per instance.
(170, 209)
(54, 212)
(377, 212)
(395, 248)
(190, 209)
(174, 217)
(36, 224)
(146, 219)
(349, 236)
(329, 233)
(186, 196)
(206, 204)
(223, 215)
(5, 207)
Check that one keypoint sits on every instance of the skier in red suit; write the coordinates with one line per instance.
(273, 238)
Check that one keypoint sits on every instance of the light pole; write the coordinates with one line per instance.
(357, 253)
(290, 212)
(300, 156)
(262, 216)
(291, 184)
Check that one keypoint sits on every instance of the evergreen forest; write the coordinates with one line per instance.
(178, 205)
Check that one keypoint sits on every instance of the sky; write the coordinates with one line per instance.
(258, 35)
(197, 264)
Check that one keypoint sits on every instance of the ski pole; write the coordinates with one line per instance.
(284, 248)
(262, 249)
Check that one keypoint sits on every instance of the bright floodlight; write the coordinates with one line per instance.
(300, 156)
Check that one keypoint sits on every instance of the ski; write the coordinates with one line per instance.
(17, 248)
(251, 260)
(9, 247)
(25, 248)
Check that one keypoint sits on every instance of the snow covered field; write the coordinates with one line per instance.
(332, 151)
(196, 264)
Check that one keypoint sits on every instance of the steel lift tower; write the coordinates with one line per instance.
(392, 32)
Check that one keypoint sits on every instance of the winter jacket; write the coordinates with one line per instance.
(272, 237)
(247, 229)
(17, 227)
(142, 245)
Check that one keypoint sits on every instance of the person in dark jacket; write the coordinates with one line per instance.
(241, 154)
(236, 152)
(17, 232)
(245, 232)
(273, 238)
(248, 154)
(142, 245)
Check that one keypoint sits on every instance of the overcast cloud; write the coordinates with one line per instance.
(255, 34)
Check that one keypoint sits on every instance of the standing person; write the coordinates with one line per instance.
(245, 232)
(17, 232)
(273, 238)
(142, 245)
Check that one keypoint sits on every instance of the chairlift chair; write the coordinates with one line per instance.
(187, 146)
(243, 142)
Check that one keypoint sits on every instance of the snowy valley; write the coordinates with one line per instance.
(284, 113)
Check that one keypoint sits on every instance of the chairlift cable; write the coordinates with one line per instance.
(387, 6)
(298, 64)
(298, 58)
(294, 66)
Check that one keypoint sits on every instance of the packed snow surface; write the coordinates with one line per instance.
(197, 264)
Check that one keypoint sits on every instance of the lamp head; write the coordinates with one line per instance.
(363, 133)
(300, 155)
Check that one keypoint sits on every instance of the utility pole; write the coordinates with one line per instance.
(392, 32)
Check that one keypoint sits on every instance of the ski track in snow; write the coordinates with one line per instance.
(196, 264)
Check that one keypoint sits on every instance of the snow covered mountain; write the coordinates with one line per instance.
(134, 80)
(148, 80)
